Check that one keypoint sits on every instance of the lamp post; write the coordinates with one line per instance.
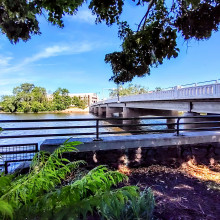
(118, 92)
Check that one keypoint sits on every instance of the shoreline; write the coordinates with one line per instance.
(69, 110)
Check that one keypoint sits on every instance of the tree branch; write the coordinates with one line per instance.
(146, 14)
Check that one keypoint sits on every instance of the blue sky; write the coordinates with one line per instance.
(73, 57)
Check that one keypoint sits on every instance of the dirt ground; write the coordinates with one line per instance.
(178, 195)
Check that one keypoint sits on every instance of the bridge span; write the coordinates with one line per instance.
(192, 99)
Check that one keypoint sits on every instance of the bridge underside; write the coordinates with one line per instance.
(157, 108)
(162, 108)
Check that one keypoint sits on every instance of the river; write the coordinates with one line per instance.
(20, 116)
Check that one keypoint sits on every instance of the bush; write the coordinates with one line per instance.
(41, 194)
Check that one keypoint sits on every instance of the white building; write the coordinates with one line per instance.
(90, 98)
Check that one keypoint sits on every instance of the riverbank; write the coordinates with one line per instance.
(69, 110)
(73, 110)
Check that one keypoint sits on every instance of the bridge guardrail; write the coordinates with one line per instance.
(187, 91)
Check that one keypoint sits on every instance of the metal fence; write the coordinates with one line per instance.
(12, 154)
(135, 125)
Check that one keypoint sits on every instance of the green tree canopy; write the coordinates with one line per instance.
(28, 97)
(153, 40)
(129, 90)
(80, 103)
(61, 99)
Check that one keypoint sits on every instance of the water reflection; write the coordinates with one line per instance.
(134, 125)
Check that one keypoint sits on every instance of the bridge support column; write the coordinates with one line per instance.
(128, 113)
(101, 111)
(110, 111)
(208, 125)
(95, 111)
(169, 121)
(91, 109)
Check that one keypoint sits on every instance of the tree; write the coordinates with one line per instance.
(157, 89)
(28, 97)
(77, 102)
(153, 40)
(23, 92)
(39, 94)
(9, 104)
(25, 87)
(129, 90)
(61, 99)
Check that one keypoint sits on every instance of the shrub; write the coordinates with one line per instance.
(41, 194)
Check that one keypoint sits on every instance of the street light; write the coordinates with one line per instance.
(118, 92)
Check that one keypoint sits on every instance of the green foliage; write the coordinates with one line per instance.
(6, 211)
(19, 18)
(9, 104)
(77, 102)
(47, 171)
(129, 90)
(153, 40)
(41, 194)
(30, 98)
(61, 99)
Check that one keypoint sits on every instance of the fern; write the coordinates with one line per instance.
(82, 196)
(41, 195)
(5, 183)
(6, 211)
(47, 171)
(93, 193)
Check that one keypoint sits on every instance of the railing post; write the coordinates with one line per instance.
(36, 148)
(178, 126)
(97, 131)
(6, 167)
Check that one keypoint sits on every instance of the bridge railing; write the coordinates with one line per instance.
(99, 127)
(187, 91)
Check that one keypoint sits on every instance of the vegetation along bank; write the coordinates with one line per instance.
(30, 98)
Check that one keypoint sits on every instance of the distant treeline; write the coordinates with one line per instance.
(30, 98)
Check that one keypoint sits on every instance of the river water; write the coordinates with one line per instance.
(20, 116)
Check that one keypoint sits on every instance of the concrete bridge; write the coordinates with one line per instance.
(192, 98)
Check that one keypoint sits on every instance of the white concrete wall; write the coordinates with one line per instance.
(176, 93)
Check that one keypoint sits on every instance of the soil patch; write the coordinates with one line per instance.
(178, 195)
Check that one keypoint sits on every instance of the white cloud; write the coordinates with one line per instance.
(15, 80)
(4, 61)
(58, 50)
(84, 16)
(53, 51)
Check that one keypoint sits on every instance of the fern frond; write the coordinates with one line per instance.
(95, 182)
(6, 210)
(5, 183)
(40, 193)
(46, 172)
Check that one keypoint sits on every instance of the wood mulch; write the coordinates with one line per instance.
(178, 195)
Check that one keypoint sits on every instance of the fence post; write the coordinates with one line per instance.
(178, 126)
(36, 148)
(6, 167)
(97, 131)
